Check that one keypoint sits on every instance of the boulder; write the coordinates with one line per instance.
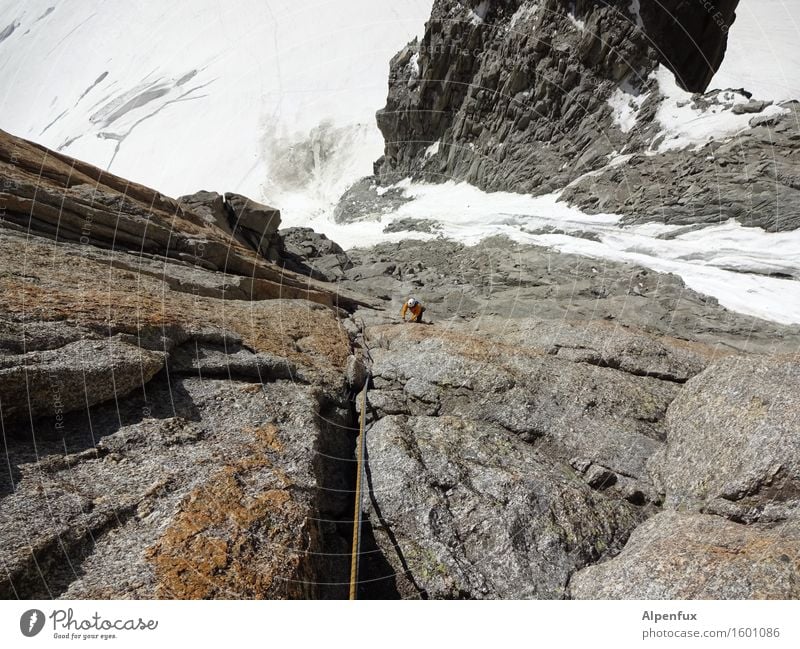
(307, 243)
(253, 216)
(733, 441)
(312, 253)
(210, 206)
(696, 556)
(255, 224)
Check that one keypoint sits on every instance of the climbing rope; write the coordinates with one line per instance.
(356, 546)
(357, 510)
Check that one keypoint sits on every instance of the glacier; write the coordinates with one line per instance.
(187, 95)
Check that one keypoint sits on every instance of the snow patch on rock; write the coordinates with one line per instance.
(433, 149)
(479, 13)
(625, 103)
(684, 124)
(635, 10)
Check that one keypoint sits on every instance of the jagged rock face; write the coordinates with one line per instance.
(515, 92)
(526, 97)
(199, 482)
(751, 177)
(472, 423)
(210, 206)
(494, 89)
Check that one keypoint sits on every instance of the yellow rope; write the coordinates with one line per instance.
(356, 549)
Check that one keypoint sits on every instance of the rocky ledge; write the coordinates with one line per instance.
(178, 412)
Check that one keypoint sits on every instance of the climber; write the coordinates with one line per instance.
(416, 310)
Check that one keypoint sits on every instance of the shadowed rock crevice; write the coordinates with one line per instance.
(377, 576)
(335, 468)
(381, 577)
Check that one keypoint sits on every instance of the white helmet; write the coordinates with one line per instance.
(412, 301)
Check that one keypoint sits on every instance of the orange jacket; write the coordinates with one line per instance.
(416, 311)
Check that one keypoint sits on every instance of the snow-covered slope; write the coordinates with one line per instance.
(746, 269)
(763, 54)
(207, 94)
(683, 125)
